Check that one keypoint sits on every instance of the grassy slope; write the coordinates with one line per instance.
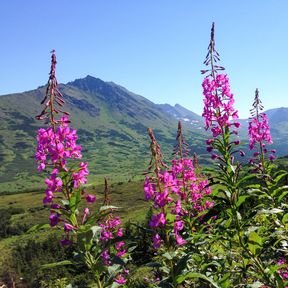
(111, 123)
(129, 196)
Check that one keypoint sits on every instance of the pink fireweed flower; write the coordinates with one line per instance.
(214, 156)
(86, 213)
(55, 206)
(119, 245)
(54, 183)
(179, 240)
(54, 219)
(90, 198)
(283, 271)
(49, 197)
(272, 157)
(156, 241)
(66, 242)
(113, 222)
(68, 227)
(121, 253)
(162, 199)
(149, 189)
(120, 232)
(178, 226)
(56, 146)
(259, 131)
(79, 177)
(218, 104)
(106, 257)
(109, 228)
(120, 279)
(188, 193)
(158, 220)
(177, 192)
(109, 231)
(219, 112)
(177, 208)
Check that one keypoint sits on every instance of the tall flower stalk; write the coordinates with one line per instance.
(179, 201)
(221, 119)
(219, 114)
(58, 155)
(56, 145)
(259, 133)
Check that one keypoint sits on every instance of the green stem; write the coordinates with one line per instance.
(254, 258)
(172, 273)
(99, 284)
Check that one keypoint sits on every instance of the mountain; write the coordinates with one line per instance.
(277, 115)
(112, 126)
(111, 123)
(184, 115)
(278, 121)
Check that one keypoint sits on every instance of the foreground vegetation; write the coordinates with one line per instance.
(23, 254)
(224, 226)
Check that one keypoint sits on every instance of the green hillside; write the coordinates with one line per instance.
(112, 127)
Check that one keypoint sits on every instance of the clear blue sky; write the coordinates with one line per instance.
(154, 48)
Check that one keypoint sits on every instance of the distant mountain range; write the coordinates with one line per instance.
(112, 127)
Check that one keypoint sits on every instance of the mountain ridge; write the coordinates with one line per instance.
(111, 122)
(112, 126)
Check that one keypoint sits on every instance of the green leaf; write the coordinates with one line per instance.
(225, 281)
(74, 200)
(57, 264)
(270, 211)
(167, 255)
(182, 264)
(64, 202)
(113, 269)
(248, 177)
(282, 196)
(213, 263)
(254, 237)
(96, 231)
(233, 168)
(132, 248)
(103, 208)
(190, 275)
(255, 243)
(165, 269)
(115, 285)
(38, 227)
(282, 175)
(241, 200)
(73, 219)
(280, 189)
(285, 219)
(255, 285)
(153, 265)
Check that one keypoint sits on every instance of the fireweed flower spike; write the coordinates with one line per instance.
(181, 147)
(176, 193)
(53, 99)
(110, 230)
(57, 144)
(153, 185)
(219, 113)
(259, 133)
